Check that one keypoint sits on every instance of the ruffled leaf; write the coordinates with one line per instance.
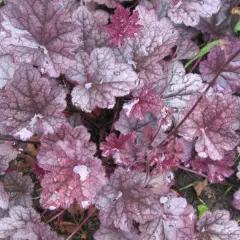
(31, 104)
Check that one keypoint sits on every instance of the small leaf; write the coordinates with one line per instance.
(202, 208)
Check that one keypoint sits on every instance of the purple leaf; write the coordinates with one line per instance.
(124, 200)
(109, 233)
(228, 79)
(74, 174)
(126, 125)
(4, 198)
(92, 35)
(41, 34)
(216, 170)
(19, 189)
(212, 124)
(7, 154)
(100, 79)
(176, 222)
(236, 199)
(217, 225)
(31, 104)
(186, 49)
(7, 69)
(190, 11)
(17, 219)
(36, 231)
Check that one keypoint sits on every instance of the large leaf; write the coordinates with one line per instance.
(228, 79)
(100, 79)
(124, 200)
(31, 104)
(74, 174)
(176, 222)
(41, 33)
(212, 124)
(217, 225)
(190, 11)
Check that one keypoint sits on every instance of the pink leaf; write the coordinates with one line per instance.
(228, 79)
(74, 174)
(19, 189)
(212, 124)
(122, 25)
(217, 225)
(100, 79)
(41, 34)
(190, 11)
(31, 104)
(125, 199)
(216, 170)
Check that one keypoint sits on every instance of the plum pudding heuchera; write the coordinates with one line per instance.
(99, 111)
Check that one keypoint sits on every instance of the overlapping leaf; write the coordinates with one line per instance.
(217, 225)
(124, 200)
(100, 79)
(236, 200)
(41, 33)
(7, 154)
(212, 124)
(176, 222)
(19, 189)
(228, 79)
(190, 11)
(31, 104)
(4, 198)
(74, 174)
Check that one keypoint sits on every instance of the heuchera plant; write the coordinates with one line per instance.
(99, 112)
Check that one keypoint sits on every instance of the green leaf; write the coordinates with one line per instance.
(237, 26)
(203, 51)
(202, 208)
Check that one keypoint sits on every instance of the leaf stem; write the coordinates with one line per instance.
(12, 139)
(80, 226)
(192, 171)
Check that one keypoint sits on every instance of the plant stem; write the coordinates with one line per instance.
(192, 171)
(55, 216)
(12, 139)
(80, 226)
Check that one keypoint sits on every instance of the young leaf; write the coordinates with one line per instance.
(31, 104)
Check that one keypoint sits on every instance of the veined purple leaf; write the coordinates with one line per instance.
(100, 79)
(4, 198)
(124, 200)
(228, 79)
(186, 49)
(31, 104)
(176, 222)
(19, 189)
(190, 11)
(109, 233)
(212, 125)
(217, 225)
(216, 170)
(74, 174)
(41, 34)
(7, 69)
(7, 154)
